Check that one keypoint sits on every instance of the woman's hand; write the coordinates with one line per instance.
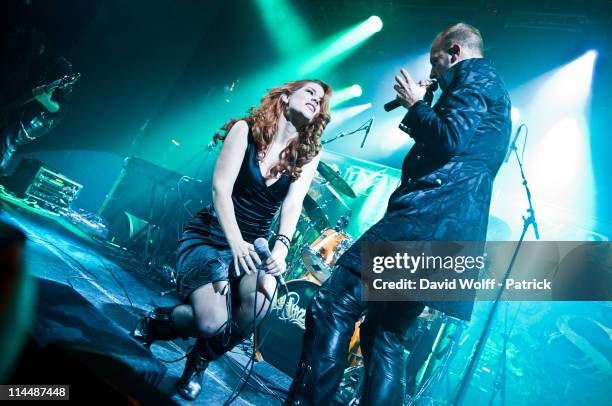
(275, 264)
(245, 257)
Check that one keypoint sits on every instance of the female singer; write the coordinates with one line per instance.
(267, 163)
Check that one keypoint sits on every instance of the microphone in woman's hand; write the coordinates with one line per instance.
(263, 250)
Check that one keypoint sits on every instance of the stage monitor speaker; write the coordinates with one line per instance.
(63, 315)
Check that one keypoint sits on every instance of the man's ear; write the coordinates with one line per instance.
(454, 52)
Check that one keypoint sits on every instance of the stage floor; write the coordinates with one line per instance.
(122, 294)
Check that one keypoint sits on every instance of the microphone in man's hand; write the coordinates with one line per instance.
(392, 105)
(263, 250)
(431, 88)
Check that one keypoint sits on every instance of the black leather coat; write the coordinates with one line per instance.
(447, 176)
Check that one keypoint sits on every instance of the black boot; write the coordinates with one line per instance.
(157, 325)
(330, 322)
(189, 385)
(203, 352)
(382, 340)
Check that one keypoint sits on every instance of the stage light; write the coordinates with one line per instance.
(344, 114)
(342, 44)
(284, 24)
(391, 137)
(375, 24)
(569, 86)
(557, 159)
(515, 115)
(342, 95)
(561, 152)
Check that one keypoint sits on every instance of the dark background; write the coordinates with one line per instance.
(156, 70)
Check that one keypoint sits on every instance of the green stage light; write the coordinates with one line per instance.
(342, 95)
(374, 23)
(341, 115)
(341, 44)
(285, 26)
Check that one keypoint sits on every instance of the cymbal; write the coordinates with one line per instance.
(335, 180)
(315, 213)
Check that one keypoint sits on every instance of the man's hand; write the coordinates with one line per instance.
(408, 91)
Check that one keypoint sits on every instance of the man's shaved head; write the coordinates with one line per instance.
(456, 43)
(465, 35)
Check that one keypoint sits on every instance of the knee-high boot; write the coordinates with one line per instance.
(330, 322)
(201, 354)
(157, 325)
(385, 366)
(382, 339)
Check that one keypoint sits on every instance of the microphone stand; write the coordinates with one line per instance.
(528, 220)
(363, 127)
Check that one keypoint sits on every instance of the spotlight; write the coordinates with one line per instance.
(515, 114)
(344, 114)
(341, 44)
(347, 93)
(375, 24)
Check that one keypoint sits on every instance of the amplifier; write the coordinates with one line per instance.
(35, 180)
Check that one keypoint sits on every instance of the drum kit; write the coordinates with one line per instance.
(316, 247)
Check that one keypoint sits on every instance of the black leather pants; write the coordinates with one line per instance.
(330, 322)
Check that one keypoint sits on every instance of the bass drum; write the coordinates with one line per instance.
(279, 338)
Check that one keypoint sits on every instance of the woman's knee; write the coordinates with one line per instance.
(267, 287)
(209, 325)
(255, 302)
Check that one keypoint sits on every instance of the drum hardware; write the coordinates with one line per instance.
(315, 213)
(317, 244)
(335, 194)
(448, 332)
(335, 179)
(320, 257)
(343, 221)
(436, 366)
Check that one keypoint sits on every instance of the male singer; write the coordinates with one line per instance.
(444, 195)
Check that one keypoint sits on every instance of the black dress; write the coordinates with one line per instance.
(204, 255)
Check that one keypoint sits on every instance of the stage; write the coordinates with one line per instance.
(359, 148)
(121, 295)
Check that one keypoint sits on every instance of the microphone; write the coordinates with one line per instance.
(513, 143)
(392, 105)
(367, 131)
(263, 250)
(431, 88)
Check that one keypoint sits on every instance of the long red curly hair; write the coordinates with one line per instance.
(263, 122)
